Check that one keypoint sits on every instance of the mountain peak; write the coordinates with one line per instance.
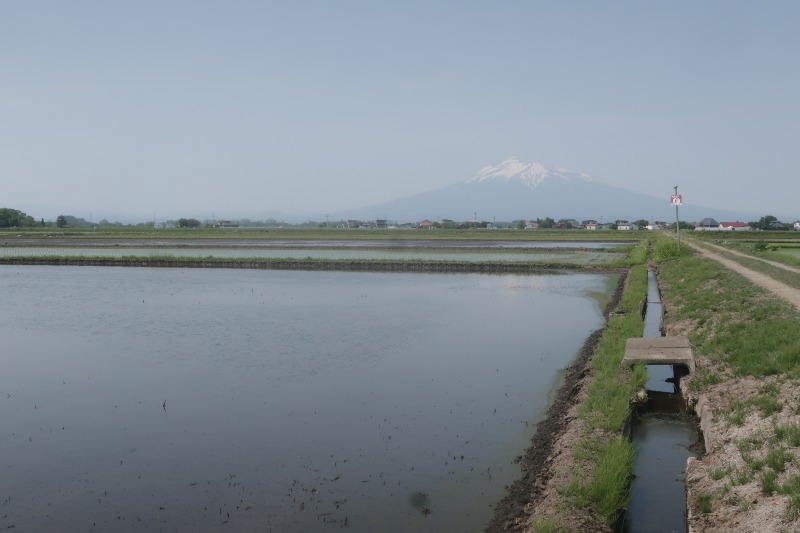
(531, 174)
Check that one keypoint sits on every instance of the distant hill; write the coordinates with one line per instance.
(514, 190)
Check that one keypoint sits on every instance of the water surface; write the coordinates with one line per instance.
(203, 400)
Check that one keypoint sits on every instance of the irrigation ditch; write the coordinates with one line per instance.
(665, 434)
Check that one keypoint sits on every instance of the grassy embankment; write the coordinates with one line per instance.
(604, 456)
(319, 233)
(741, 330)
(606, 409)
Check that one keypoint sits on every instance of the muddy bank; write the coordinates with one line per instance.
(311, 264)
(512, 513)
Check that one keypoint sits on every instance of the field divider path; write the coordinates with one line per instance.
(748, 256)
(781, 290)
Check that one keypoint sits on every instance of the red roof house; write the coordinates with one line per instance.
(734, 226)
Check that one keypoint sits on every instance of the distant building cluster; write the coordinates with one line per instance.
(709, 224)
(706, 224)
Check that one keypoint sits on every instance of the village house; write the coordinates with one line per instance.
(734, 226)
(425, 224)
(657, 225)
(597, 226)
(627, 226)
(226, 224)
(707, 224)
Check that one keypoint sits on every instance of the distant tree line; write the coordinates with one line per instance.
(189, 223)
(770, 222)
(13, 218)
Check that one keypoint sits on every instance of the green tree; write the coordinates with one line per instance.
(768, 222)
(13, 218)
(642, 223)
(189, 223)
(684, 225)
(546, 223)
(449, 224)
(61, 221)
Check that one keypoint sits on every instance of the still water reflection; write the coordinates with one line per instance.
(198, 400)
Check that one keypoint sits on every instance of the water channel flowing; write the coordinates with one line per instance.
(664, 436)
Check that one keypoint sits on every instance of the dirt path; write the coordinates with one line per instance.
(739, 505)
(781, 290)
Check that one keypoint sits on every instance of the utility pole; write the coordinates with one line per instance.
(676, 201)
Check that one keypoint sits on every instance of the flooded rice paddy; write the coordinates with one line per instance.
(209, 400)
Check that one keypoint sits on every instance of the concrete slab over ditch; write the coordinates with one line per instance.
(659, 351)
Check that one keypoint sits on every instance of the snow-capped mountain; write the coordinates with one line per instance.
(516, 190)
(531, 174)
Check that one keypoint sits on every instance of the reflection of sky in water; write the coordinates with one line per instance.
(187, 398)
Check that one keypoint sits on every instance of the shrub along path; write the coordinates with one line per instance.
(782, 290)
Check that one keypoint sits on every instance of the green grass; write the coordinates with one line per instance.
(666, 249)
(604, 487)
(736, 322)
(793, 508)
(741, 476)
(718, 474)
(609, 486)
(703, 503)
(769, 483)
(789, 433)
(744, 331)
(761, 250)
(777, 459)
(780, 274)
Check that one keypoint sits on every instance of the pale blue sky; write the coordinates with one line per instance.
(241, 108)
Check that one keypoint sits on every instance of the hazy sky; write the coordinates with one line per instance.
(239, 108)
